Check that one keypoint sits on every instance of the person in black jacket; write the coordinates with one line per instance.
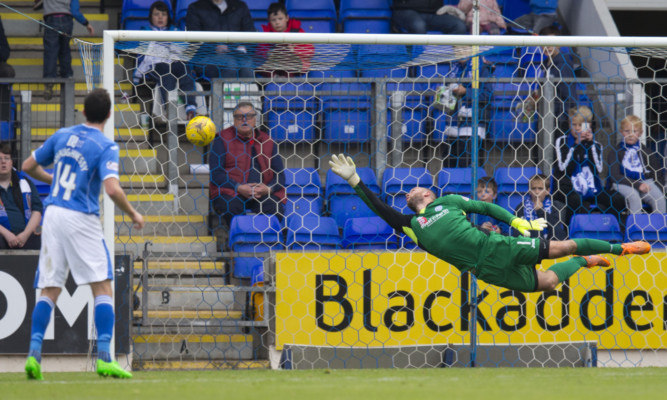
(6, 71)
(232, 60)
(636, 174)
(578, 169)
(537, 203)
(419, 16)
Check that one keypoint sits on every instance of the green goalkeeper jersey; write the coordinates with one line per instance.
(443, 230)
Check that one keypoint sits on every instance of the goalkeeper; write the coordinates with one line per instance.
(439, 227)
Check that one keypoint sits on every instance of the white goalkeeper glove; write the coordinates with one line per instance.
(524, 226)
(344, 167)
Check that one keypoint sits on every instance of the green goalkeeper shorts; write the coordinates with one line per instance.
(509, 262)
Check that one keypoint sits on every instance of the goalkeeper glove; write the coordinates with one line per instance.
(524, 226)
(345, 168)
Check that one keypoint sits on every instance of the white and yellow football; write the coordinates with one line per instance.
(200, 131)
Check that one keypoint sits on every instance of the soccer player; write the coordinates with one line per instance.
(72, 239)
(439, 226)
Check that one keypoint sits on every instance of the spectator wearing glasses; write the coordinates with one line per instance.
(246, 170)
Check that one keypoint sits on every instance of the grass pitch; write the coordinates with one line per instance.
(450, 383)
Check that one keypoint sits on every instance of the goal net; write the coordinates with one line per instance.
(327, 283)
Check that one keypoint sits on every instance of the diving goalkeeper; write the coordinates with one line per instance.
(439, 226)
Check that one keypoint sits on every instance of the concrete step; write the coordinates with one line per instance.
(193, 347)
(200, 321)
(184, 280)
(25, 24)
(169, 365)
(140, 161)
(140, 180)
(20, 44)
(47, 115)
(134, 135)
(33, 67)
(80, 89)
(221, 297)
(168, 225)
(168, 246)
(176, 265)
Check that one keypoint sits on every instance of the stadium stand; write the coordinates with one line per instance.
(368, 233)
(596, 226)
(312, 232)
(649, 227)
(134, 14)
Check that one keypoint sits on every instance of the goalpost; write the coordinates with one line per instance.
(383, 100)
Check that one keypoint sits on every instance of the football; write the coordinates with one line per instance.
(200, 131)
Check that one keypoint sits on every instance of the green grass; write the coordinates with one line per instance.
(441, 384)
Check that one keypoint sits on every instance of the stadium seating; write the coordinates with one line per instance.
(317, 16)
(458, 180)
(302, 182)
(649, 227)
(243, 267)
(368, 233)
(134, 13)
(312, 233)
(369, 16)
(258, 10)
(181, 11)
(255, 233)
(596, 226)
(396, 182)
(343, 202)
(513, 185)
(291, 111)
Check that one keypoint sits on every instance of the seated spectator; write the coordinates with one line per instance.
(542, 14)
(6, 71)
(291, 58)
(635, 173)
(222, 16)
(456, 100)
(165, 72)
(487, 191)
(537, 203)
(578, 169)
(419, 16)
(20, 206)
(490, 17)
(246, 170)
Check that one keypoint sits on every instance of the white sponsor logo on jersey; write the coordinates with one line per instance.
(113, 166)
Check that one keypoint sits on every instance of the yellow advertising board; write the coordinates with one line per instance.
(411, 298)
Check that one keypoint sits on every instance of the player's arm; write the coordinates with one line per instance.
(32, 168)
(117, 195)
(345, 168)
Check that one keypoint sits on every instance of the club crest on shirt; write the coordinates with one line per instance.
(438, 208)
(112, 166)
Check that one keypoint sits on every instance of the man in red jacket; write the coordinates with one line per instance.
(246, 170)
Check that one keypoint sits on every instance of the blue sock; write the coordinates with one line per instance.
(41, 316)
(104, 320)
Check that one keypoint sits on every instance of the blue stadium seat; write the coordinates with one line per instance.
(649, 227)
(181, 11)
(507, 126)
(347, 117)
(243, 267)
(134, 13)
(396, 182)
(596, 226)
(515, 8)
(369, 16)
(300, 205)
(458, 180)
(335, 185)
(412, 124)
(317, 16)
(302, 182)
(513, 185)
(258, 10)
(292, 110)
(312, 233)
(343, 202)
(255, 233)
(368, 233)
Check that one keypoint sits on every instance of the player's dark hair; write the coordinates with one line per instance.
(488, 182)
(275, 8)
(6, 148)
(160, 6)
(550, 31)
(97, 105)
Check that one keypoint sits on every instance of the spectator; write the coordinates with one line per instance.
(456, 100)
(419, 16)
(487, 191)
(542, 14)
(20, 206)
(246, 170)
(59, 16)
(165, 72)
(222, 16)
(490, 17)
(537, 203)
(284, 55)
(6, 71)
(634, 173)
(578, 169)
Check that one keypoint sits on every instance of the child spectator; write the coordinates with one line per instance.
(282, 56)
(487, 191)
(578, 169)
(163, 70)
(635, 173)
(537, 203)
